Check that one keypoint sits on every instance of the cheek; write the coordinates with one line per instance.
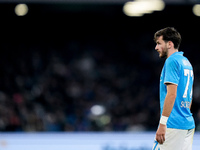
(157, 47)
(162, 47)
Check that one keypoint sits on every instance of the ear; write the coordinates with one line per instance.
(170, 44)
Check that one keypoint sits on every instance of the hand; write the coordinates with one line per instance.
(160, 134)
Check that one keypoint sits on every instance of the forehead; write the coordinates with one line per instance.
(159, 39)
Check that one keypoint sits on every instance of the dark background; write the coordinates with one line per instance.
(60, 59)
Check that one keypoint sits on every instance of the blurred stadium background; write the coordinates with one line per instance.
(88, 65)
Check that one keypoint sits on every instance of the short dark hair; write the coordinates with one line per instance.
(169, 34)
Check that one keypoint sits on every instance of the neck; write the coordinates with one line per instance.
(171, 51)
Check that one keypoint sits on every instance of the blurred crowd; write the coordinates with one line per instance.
(52, 87)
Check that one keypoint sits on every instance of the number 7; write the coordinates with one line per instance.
(187, 73)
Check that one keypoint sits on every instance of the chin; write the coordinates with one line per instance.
(163, 56)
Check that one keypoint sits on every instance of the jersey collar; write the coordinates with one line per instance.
(177, 53)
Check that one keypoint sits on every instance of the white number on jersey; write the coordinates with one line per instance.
(188, 73)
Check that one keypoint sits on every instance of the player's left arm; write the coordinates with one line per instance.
(169, 99)
(168, 106)
(190, 105)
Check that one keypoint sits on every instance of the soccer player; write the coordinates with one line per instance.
(176, 126)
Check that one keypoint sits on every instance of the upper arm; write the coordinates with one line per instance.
(190, 104)
(171, 89)
(172, 72)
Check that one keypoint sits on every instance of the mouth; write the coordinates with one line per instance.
(159, 53)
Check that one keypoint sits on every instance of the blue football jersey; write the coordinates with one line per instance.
(178, 70)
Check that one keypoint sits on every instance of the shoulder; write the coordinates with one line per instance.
(186, 62)
(173, 63)
(172, 60)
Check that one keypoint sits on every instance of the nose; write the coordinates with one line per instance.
(156, 48)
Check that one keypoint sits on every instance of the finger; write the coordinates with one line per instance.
(159, 139)
(163, 138)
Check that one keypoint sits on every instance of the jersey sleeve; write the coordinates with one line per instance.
(172, 72)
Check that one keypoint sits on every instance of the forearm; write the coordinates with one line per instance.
(167, 108)
(168, 104)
